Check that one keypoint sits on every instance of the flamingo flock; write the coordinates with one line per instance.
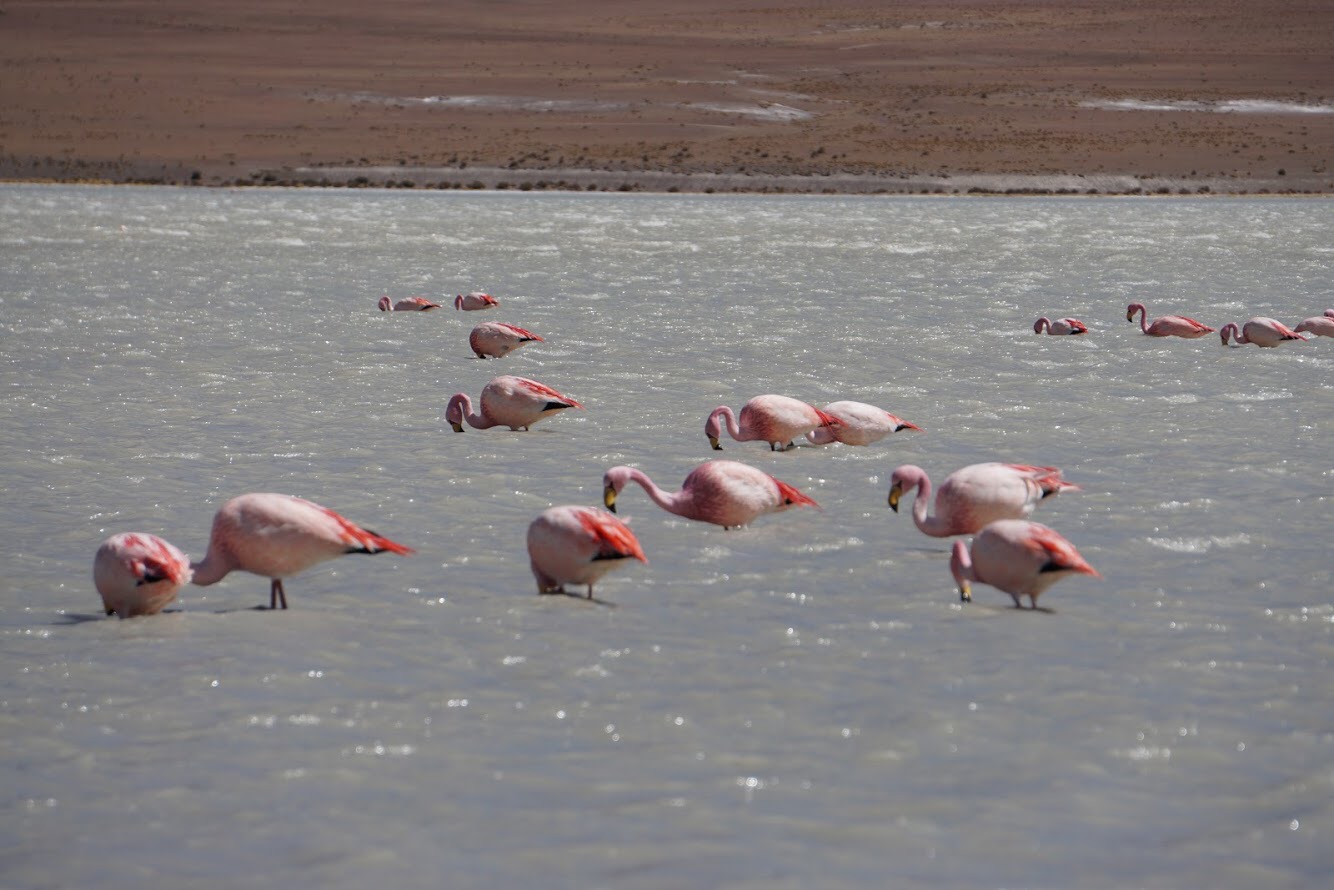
(277, 536)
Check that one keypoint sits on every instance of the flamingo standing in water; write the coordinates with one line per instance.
(497, 339)
(578, 545)
(515, 402)
(1060, 326)
(411, 304)
(278, 535)
(1261, 331)
(858, 424)
(768, 418)
(1167, 325)
(723, 492)
(138, 574)
(1320, 325)
(474, 301)
(975, 495)
(1019, 557)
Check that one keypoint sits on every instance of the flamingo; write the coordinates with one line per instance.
(975, 495)
(858, 424)
(497, 339)
(578, 545)
(475, 300)
(278, 535)
(1168, 325)
(411, 304)
(515, 402)
(769, 418)
(723, 492)
(1019, 557)
(1060, 326)
(1320, 325)
(1261, 331)
(138, 574)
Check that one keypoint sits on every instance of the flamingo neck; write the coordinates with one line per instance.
(1143, 318)
(211, 569)
(460, 409)
(723, 415)
(930, 525)
(1040, 324)
(1231, 329)
(671, 501)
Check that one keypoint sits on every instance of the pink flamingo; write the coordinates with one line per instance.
(515, 402)
(411, 304)
(578, 545)
(474, 301)
(858, 424)
(1168, 325)
(975, 495)
(497, 339)
(1019, 557)
(1261, 331)
(1060, 326)
(768, 418)
(723, 492)
(1320, 325)
(138, 574)
(276, 536)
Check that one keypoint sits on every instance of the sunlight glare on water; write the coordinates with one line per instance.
(804, 702)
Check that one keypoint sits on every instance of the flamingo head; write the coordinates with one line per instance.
(458, 405)
(612, 482)
(1229, 330)
(906, 478)
(1132, 309)
(960, 567)
(713, 428)
(385, 304)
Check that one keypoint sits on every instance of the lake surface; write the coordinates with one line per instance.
(801, 703)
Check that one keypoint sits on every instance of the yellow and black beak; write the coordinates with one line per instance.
(713, 441)
(965, 592)
(609, 497)
(895, 492)
(458, 427)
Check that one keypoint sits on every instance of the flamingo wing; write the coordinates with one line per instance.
(541, 390)
(1057, 554)
(615, 540)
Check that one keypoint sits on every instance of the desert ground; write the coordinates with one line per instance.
(1083, 96)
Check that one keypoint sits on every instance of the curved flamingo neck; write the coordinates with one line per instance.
(1041, 324)
(722, 414)
(1143, 316)
(211, 569)
(930, 525)
(1236, 333)
(460, 409)
(671, 501)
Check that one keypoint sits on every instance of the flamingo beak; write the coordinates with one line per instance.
(1130, 316)
(609, 497)
(458, 427)
(713, 441)
(965, 592)
(895, 492)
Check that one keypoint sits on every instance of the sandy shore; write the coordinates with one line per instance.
(959, 96)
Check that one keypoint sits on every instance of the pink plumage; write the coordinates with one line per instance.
(578, 545)
(975, 495)
(475, 301)
(515, 402)
(1060, 326)
(775, 419)
(723, 492)
(409, 304)
(1167, 325)
(277, 536)
(858, 424)
(496, 339)
(1261, 331)
(138, 574)
(1019, 557)
(1320, 325)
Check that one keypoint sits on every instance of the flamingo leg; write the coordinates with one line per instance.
(277, 594)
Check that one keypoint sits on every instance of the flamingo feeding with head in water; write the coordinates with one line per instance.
(723, 492)
(975, 495)
(410, 304)
(1060, 326)
(138, 574)
(277, 536)
(474, 301)
(496, 339)
(1019, 557)
(777, 420)
(1167, 325)
(515, 402)
(858, 424)
(578, 545)
(1261, 331)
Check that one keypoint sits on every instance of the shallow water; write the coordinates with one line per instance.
(800, 703)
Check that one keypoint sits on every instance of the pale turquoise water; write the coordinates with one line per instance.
(803, 703)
